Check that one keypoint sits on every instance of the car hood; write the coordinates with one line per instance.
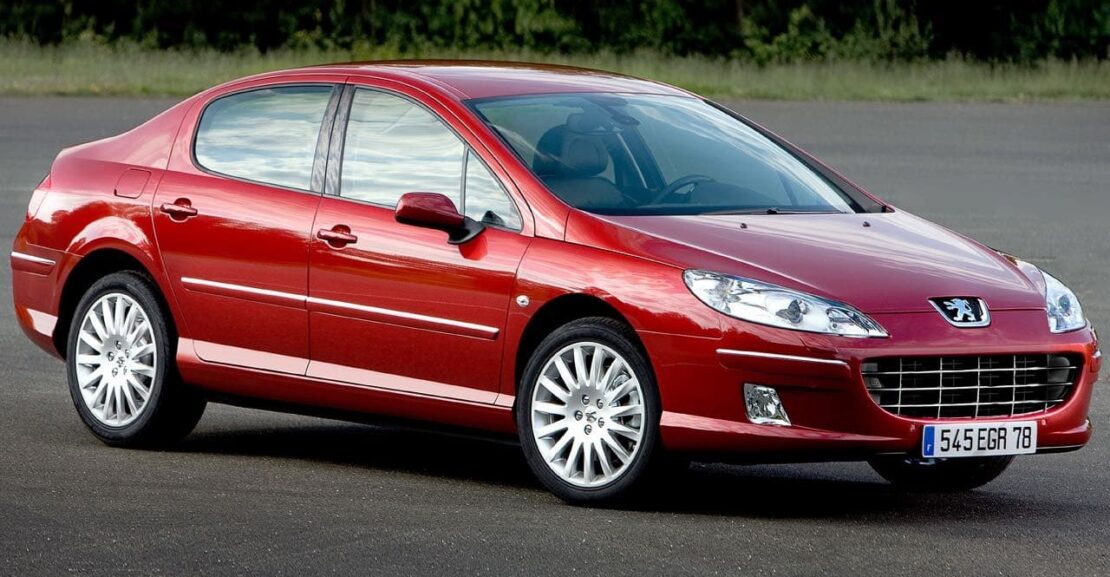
(877, 262)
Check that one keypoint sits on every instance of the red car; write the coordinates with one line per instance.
(620, 272)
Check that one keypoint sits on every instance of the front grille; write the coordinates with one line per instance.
(970, 386)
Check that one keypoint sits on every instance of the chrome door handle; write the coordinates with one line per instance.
(338, 236)
(179, 209)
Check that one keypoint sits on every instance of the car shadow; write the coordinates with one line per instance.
(432, 453)
(804, 492)
(766, 491)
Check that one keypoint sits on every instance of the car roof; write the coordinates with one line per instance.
(466, 79)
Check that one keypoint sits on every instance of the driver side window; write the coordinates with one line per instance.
(484, 199)
(394, 146)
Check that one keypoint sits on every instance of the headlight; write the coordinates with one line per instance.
(776, 306)
(1064, 312)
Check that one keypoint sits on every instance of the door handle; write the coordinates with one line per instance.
(338, 236)
(179, 209)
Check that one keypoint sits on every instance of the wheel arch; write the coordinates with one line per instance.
(559, 282)
(557, 312)
(91, 267)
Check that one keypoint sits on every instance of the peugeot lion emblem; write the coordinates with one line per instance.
(963, 312)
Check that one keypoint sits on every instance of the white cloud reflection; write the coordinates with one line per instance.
(394, 146)
(484, 194)
(264, 135)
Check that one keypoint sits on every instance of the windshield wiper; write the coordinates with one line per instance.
(773, 210)
(776, 210)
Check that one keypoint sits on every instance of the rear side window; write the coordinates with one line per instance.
(266, 136)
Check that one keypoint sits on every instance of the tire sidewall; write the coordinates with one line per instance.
(602, 331)
(138, 288)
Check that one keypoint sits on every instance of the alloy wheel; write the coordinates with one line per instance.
(116, 359)
(587, 414)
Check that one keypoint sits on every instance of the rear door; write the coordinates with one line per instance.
(396, 306)
(232, 219)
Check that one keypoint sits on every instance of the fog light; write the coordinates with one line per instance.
(764, 406)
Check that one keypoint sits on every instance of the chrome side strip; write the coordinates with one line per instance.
(197, 282)
(490, 331)
(736, 353)
(32, 258)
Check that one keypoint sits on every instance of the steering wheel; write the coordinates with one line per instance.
(679, 185)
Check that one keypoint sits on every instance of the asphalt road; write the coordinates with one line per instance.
(267, 494)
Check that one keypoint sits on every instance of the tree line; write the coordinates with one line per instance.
(1021, 31)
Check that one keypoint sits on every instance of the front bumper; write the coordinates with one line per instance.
(819, 381)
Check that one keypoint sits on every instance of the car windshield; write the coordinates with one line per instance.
(654, 154)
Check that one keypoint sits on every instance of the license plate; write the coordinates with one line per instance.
(979, 439)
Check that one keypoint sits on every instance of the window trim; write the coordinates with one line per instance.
(319, 159)
(338, 143)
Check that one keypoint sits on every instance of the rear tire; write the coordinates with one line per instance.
(588, 412)
(940, 475)
(120, 366)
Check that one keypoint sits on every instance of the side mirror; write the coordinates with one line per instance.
(434, 210)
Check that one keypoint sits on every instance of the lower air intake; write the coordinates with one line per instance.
(970, 386)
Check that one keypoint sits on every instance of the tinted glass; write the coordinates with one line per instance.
(650, 154)
(264, 135)
(486, 201)
(394, 146)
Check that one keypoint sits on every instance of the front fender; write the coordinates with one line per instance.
(650, 296)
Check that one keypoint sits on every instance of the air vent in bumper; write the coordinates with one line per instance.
(970, 386)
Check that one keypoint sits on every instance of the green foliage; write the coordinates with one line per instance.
(887, 30)
(93, 66)
(806, 38)
(763, 31)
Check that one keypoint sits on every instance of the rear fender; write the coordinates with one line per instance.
(132, 238)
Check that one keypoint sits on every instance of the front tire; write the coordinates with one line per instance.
(588, 412)
(940, 475)
(120, 366)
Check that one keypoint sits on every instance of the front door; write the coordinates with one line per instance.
(395, 306)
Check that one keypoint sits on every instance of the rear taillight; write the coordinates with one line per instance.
(37, 197)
